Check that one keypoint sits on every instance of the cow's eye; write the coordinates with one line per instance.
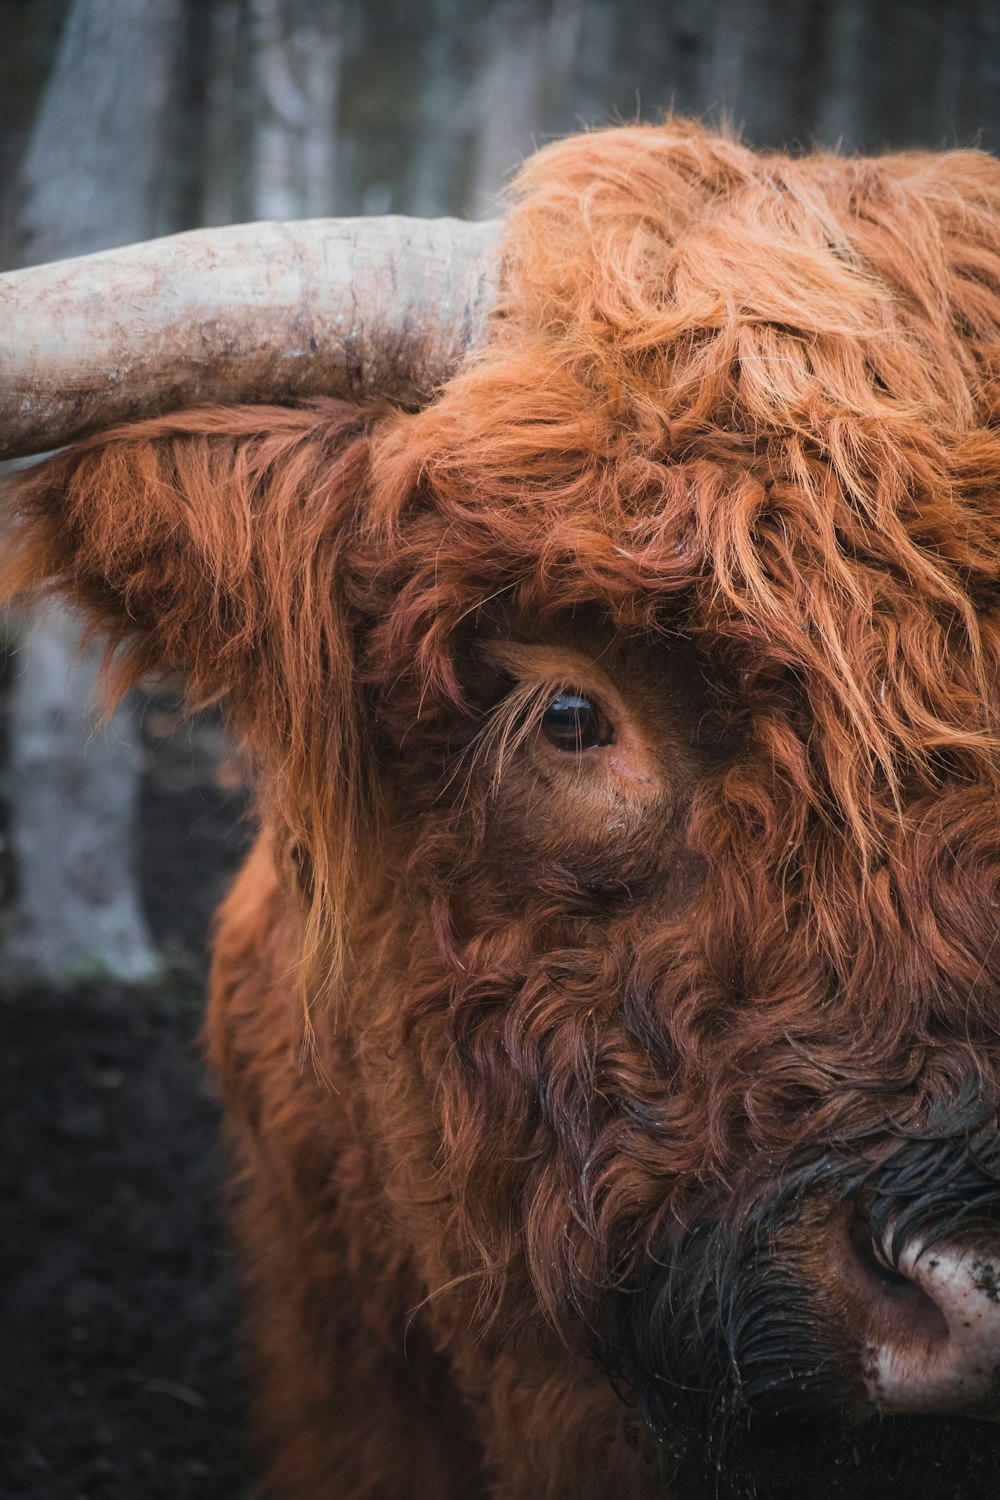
(574, 723)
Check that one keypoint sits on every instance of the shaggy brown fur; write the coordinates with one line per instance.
(594, 1047)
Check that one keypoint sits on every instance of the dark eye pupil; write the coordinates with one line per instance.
(573, 722)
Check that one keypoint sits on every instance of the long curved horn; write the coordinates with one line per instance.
(253, 312)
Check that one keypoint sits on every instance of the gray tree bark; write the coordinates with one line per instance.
(297, 73)
(91, 178)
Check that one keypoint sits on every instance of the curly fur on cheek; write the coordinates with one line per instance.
(602, 1062)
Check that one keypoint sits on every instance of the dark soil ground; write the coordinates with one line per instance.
(120, 1358)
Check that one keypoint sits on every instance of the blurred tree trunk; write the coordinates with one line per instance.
(296, 47)
(528, 58)
(91, 177)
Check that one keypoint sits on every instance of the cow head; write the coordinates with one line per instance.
(627, 721)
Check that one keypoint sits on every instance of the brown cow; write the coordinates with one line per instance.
(608, 1013)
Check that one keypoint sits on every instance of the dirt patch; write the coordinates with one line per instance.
(120, 1360)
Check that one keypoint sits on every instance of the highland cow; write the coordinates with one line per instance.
(607, 1016)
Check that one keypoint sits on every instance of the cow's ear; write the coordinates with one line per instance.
(220, 543)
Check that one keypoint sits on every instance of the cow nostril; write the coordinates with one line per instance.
(873, 1259)
(899, 1305)
(930, 1325)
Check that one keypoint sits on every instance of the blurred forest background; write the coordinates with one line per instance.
(124, 119)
